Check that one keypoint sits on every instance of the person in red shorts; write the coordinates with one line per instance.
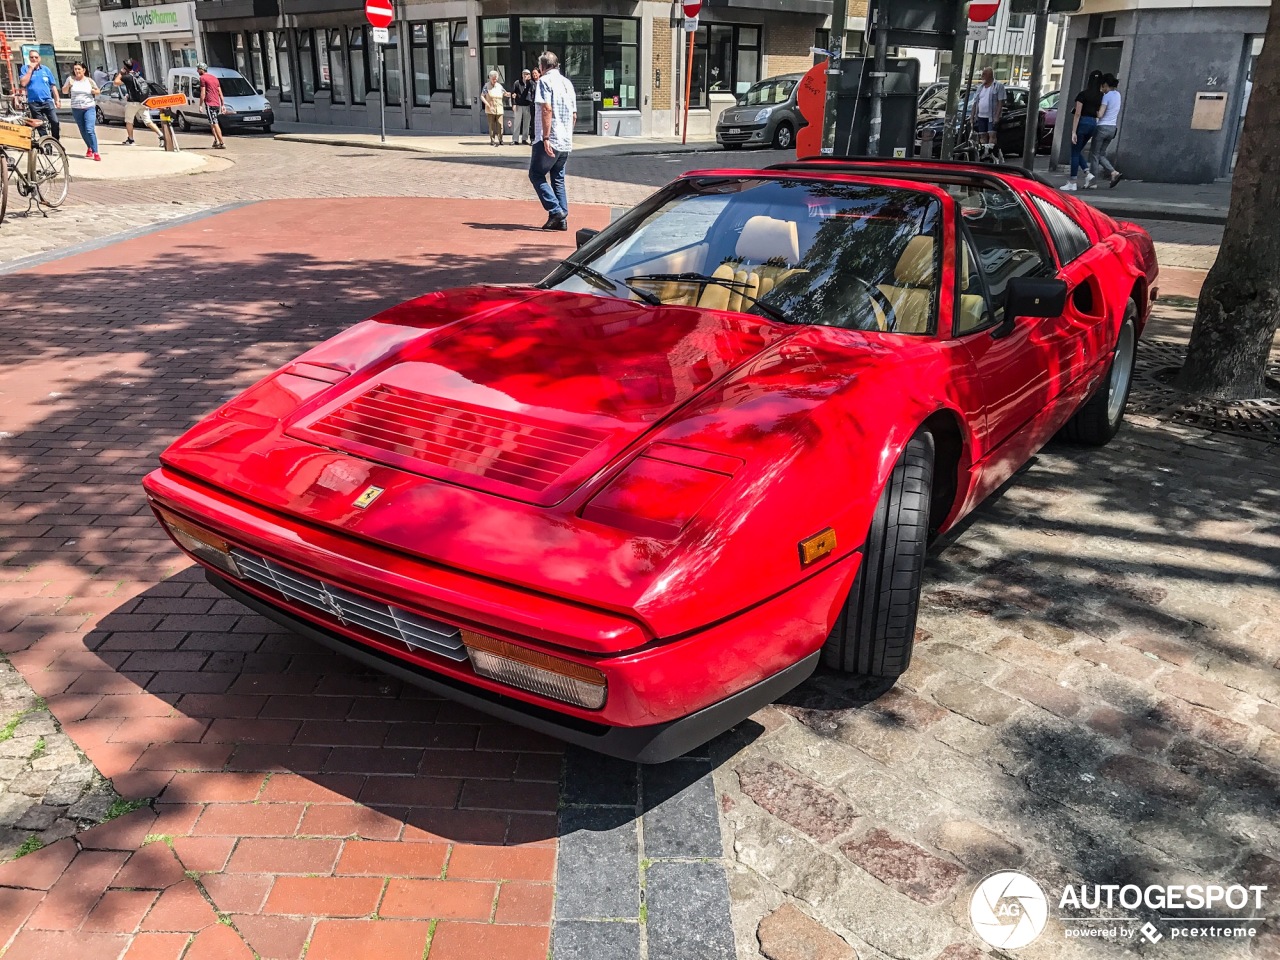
(211, 100)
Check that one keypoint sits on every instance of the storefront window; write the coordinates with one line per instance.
(306, 67)
(257, 76)
(337, 69)
(358, 69)
(420, 63)
(458, 57)
(442, 66)
(747, 69)
(391, 66)
(573, 39)
(242, 64)
(724, 57)
(621, 64)
(282, 66)
(496, 32)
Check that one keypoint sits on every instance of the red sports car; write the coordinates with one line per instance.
(633, 503)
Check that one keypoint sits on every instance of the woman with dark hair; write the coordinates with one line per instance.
(1084, 124)
(82, 89)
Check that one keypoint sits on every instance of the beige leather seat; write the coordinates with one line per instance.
(973, 305)
(913, 289)
(765, 255)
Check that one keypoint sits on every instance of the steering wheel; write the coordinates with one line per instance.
(877, 296)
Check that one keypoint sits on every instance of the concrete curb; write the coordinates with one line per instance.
(650, 149)
(1177, 212)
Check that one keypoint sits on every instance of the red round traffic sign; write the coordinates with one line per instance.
(692, 8)
(982, 12)
(379, 12)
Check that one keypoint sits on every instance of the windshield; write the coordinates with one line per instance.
(236, 87)
(768, 93)
(859, 256)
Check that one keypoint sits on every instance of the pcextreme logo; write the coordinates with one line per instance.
(1009, 910)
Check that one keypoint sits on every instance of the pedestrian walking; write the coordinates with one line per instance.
(1084, 123)
(1108, 126)
(493, 96)
(522, 105)
(100, 76)
(135, 91)
(554, 116)
(42, 93)
(987, 107)
(82, 89)
(211, 100)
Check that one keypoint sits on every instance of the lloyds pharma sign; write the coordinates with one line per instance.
(168, 18)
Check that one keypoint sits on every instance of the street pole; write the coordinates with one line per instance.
(382, 95)
(688, 87)
(1033, 96)
(839, 19)
(877, 80)
(954, 78)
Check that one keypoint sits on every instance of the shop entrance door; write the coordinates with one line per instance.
(573, 40)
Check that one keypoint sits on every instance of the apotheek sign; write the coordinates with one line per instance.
(170, 18)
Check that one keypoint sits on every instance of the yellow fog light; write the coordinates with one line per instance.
(536, 672)
(199, 542)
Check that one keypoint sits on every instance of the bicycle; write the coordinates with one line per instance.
(970, 151)
(45, 175)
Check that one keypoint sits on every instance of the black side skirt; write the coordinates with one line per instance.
(653, 744)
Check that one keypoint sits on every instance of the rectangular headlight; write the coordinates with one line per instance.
(536, 672)
(199, 542)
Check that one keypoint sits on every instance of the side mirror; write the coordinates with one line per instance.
(1031, 297)
(585, 234)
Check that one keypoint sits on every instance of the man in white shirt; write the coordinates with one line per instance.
(1108, 126)
(555, 112)
(987, 107)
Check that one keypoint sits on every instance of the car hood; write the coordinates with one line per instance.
(248, 104)
(530, 397)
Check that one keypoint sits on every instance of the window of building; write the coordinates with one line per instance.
(574, 40)
(282, 66)
(359, 68)
(723, 55)
(458, 58)
(306, 66)
(621, 80)
(240, 54)
(391, 66)
(420, 62)
(337, 68)
(1017, 21)
(496, 52)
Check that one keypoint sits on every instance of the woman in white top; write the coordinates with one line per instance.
(493, 95)
(82, 89)
(1108, 126)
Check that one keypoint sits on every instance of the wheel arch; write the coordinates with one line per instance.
(951, 468)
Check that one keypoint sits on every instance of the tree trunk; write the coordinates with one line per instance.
(1239, 308)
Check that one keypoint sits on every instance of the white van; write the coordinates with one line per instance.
(246, 107)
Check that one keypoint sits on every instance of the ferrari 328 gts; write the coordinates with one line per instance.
(633, 503)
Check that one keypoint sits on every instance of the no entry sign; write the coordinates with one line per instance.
(692, 8)
(379, 12)
(982, 12)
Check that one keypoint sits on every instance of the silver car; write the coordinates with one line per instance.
(111, 101)
(764, 116)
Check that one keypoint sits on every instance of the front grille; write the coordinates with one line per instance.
(419, 633)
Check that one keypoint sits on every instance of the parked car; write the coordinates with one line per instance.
(1049, 110)
(110, 102)
(631, 504)
(247, 107)
(766, 115)
(1009, 130)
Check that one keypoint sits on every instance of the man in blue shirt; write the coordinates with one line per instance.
(42, 94)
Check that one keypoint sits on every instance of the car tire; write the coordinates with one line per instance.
(183, 123)
(876, 629)
(1095, 423)
(100, 118)
(266, 128)
(784, 137)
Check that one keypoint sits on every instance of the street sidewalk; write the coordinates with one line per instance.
(142, 161)
(1136, 199)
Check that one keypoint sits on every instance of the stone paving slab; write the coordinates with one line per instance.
(288, 802)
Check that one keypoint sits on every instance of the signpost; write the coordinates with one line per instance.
(166, 119)
(691, 10)
(380, 13)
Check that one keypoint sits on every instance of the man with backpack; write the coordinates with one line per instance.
(136, 94)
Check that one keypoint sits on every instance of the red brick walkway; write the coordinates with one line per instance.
(297, 804)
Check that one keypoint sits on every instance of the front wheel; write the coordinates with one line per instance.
(100, 117)
(267, 128)
(876, 630)
(784, 138)
(53, 172)
(4, 184)
(1095, 423)
(183, 123)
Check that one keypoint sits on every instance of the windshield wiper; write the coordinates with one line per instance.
(601, 282)
(740, 285)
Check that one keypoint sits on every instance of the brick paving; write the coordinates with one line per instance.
(292, 803)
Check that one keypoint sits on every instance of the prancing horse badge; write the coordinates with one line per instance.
(370, 494)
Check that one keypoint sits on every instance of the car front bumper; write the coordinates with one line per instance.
(743, 134)
(236, 121)
(664, 695)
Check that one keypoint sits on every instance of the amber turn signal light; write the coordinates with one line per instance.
(816, 547)
(535, 672)
(200, 543)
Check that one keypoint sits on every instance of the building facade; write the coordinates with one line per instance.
(1184, 68)
(626, 58)
(156, 35)
(47, 26)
